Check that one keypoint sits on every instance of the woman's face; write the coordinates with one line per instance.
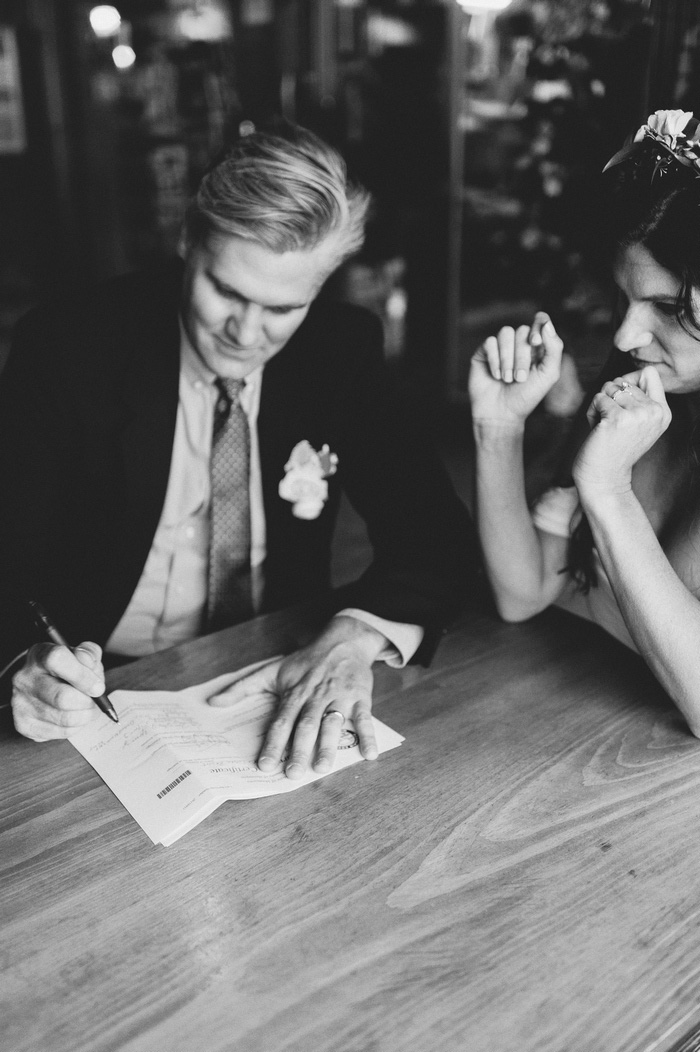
(650, 331)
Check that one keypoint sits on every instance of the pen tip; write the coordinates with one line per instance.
(108, 708)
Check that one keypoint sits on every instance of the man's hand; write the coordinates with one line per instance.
(332, 675)
(53, 691)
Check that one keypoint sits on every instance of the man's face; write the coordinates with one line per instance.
(242, 302)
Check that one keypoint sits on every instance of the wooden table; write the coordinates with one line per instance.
(522, 875)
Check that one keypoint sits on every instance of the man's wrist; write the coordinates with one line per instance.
(403, 637)
(368, 641)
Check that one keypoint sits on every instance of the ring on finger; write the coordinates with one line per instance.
(624, 386)
(334, 712)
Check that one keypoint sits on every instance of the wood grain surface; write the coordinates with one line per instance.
(522, 875)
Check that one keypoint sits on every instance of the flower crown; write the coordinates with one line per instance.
(676, 135)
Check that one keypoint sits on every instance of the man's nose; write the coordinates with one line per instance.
(245, 326)
(634, 332)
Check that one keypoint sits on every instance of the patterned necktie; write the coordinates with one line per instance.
(229, 544)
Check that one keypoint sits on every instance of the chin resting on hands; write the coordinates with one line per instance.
(314, 687)
(627, 417)
(512, 372)
(52, 693)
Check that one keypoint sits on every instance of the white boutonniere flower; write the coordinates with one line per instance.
(304, 483)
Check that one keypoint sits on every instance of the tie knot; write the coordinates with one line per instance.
(230, 389)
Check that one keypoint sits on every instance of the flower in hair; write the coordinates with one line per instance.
(676, 134)
(304, 483)
(665, 126)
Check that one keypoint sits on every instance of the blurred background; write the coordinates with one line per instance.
(480, 126)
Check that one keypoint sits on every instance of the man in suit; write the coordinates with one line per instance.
(175, 444)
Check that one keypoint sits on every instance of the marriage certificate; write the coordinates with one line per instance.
(173, 759)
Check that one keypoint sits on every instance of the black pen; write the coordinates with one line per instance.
(44, 622)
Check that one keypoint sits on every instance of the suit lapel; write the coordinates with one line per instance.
(151, 396)
(293, 409)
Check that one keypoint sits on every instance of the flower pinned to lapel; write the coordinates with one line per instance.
(304, 483)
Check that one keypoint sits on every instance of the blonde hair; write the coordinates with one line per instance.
(286, 189)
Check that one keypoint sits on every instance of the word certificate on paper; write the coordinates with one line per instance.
(173, 759)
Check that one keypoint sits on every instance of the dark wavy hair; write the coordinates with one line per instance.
(657, 207)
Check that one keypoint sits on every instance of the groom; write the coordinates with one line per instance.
(176, 443)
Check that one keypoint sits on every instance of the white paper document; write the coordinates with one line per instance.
(173, 759)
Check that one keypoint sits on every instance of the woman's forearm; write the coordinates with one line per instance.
(662, 616)
(512, 548)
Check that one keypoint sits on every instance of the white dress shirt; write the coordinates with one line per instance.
(169, 603)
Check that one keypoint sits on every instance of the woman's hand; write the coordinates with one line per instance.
(627, 417)
(512, 372)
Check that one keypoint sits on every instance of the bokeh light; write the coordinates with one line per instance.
(105, 20)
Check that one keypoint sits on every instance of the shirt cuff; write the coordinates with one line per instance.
(404, 639)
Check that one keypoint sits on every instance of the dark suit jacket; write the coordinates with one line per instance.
(88, 405)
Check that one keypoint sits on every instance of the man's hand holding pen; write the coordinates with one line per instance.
(54, 692)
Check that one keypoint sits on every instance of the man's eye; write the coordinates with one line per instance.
(229, 294)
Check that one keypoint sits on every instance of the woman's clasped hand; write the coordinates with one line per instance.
(627, 417)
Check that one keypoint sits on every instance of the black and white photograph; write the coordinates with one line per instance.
(349, 526)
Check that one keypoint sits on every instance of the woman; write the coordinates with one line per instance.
(620, 542)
